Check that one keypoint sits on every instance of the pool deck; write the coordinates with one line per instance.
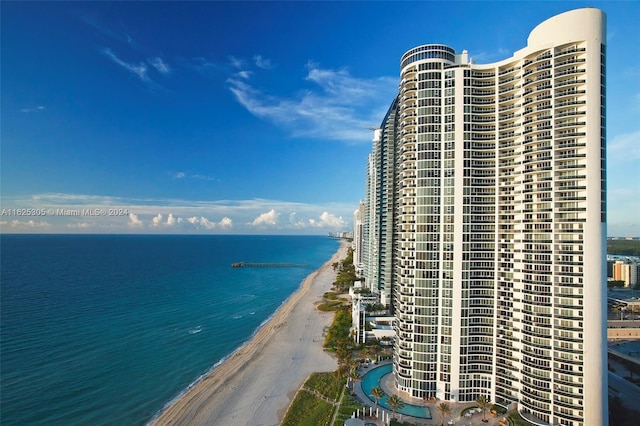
(456, 408)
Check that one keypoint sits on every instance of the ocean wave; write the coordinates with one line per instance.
(218, 363)
(225, 358)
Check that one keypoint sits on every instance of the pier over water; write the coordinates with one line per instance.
(267, 265)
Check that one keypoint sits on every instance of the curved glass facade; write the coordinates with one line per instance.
(499, 225)
(428, 51)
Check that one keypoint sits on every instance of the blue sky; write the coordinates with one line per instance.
(243, 117)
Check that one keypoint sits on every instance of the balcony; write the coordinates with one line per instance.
(570, 92)
(569, 72)
(569, 82)
(570, 50)
(508, 71)
(569, 61)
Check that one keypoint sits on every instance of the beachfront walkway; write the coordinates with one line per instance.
(386, 383)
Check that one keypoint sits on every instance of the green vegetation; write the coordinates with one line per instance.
(615, 284)
(348, 260)
(346, 273)
(484, 404)
(375, 307)
(348, 406)
(326, 388)
(397, 423)
(377, 393)
(308, 410)
(330, 306)
(327, 384)
(497, 408)
(445, 411)
(315, 403)
(332, 302)
(395, 403)
(515, 419)
(624, 247)
(339, 330)
(466, 410)
(330, 295)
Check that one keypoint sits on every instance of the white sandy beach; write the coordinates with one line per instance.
(258, 382)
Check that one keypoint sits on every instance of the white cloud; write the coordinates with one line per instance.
(134, 222)
(268, 218)
(331, 221)
(183, 175)
(201, 221)
(33, 109)
(263, 63)
(118, 36)
(203, 65)
(159, 65)
(18, 225)
(31, 223)
(139, 70)
(226, 223)
(261, 105)
(326, 221)
(338, 106)
(81, 225)
(204, 177)
(185, 216)
(157, 220)
(206, 223)
(236, 62)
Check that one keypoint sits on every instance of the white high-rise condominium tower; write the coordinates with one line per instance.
(358, 238)
(499, 228)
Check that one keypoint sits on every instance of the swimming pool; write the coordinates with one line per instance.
(372, 379)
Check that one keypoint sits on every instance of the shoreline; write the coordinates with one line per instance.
(256, 383)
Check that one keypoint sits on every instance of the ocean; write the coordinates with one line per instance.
(108, 329)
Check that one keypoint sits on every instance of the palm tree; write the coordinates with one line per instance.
(445, 410)
(395, 403)
(354, 376)
(343, 368)
(484, 403)
(366, 352)
(377, 393)
(344, 358)
(375, 350)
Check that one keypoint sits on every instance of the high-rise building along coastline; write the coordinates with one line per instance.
(485, 221)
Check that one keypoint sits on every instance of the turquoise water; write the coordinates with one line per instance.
(372, 379)
(107, 330)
